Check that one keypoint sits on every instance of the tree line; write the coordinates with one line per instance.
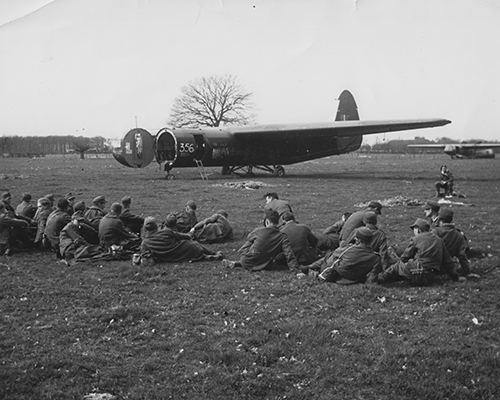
(37, 146)
(400, 146)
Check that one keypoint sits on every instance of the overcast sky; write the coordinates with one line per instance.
(91, 66)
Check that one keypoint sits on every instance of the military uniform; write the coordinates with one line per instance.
(26, 209)
(7, 225)
(167, 245)
(185, 221)
(353, 222)
(94, 215)
(425, 256)
(302, 240)
(213, 229)
(354, 263)
(266, 248)
(446, 183)
(74, 242)
(455, 243)
(280, 206)
(40, 219)
(55, 222)
(132, 221)
(378, 243)
(113, 232)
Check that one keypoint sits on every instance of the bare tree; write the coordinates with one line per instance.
(81, 145)
(212, 101)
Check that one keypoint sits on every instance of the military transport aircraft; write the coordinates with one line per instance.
(266, 147)
(463, 150)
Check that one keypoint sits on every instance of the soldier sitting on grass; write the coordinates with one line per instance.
(274, 203)
(425, 257)
(354, 263)
(186, 218)
(454, 240)
(56, 221)
(8, 226)
(214, 229)
(112, 231)
(329, 238)
(76, 241)
(167, 245)
(266, 248)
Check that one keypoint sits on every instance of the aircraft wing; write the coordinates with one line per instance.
(458, 145)
(428, 146)
(337, 128)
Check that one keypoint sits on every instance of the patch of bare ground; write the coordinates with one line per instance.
(198, 331)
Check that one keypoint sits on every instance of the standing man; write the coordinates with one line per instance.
(424, 258)
(265, 248)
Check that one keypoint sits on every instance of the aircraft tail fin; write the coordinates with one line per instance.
(347, 110)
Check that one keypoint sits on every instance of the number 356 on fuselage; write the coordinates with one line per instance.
(262, 146)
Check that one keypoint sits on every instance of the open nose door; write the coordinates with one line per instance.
(137, 149)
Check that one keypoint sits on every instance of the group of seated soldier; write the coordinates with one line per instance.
(354, 249)
(351, 250)
(74, 231)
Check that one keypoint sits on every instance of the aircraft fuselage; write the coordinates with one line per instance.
(181, 147)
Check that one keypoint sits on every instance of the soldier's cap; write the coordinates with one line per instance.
(6, 195)
(370, 217)
(364, 233)
(171, 220)
(287, 216)
(273, 195)
(191, 204)
(376, 206)
(69, 196)
(445, 215)
(222, 212)
(44, 201)
(99, 199)
(432, 205)
(126, 200)
(26, 197)
(150, 223)
(420, 223)
(62, 204)
(79, 206)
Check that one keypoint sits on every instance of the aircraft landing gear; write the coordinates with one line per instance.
(167, 168)
(279, 171)
(247, 170)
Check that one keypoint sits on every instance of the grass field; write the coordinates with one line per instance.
(198, 331)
